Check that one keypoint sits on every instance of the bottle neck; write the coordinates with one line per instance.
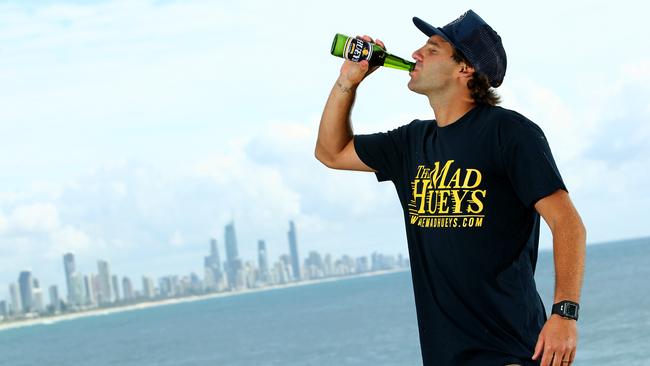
(398, 63)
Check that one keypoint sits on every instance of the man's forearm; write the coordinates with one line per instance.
(569, 247)
(335, 129)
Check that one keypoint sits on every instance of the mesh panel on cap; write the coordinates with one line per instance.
(488, 60)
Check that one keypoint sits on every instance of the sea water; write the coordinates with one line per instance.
(357, 321)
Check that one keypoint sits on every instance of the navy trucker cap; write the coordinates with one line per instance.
(475, 39)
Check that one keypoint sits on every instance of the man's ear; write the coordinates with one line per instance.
(466, 71)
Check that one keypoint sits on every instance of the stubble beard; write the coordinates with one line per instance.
(414, 87)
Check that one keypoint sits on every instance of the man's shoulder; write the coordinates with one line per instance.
(415, 125)
(419, 123)
(509, 120)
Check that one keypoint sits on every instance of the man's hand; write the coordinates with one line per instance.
(352, 73)
(557, 342)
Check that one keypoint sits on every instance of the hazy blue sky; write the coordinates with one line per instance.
(132, 131)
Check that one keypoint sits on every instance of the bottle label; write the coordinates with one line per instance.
(357, 50)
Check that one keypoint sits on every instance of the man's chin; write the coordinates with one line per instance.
(413, 87)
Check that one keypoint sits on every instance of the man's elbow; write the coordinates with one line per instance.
(575, 227)
(324, 158)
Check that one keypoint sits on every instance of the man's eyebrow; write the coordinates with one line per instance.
(433, 43)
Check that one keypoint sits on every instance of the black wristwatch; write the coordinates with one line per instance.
(567, 309)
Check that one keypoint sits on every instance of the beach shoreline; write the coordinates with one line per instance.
(48, 320)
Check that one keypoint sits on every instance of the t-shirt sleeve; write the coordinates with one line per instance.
(383, 151)
(528, 161)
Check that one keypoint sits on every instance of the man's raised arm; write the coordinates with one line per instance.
(335, 147)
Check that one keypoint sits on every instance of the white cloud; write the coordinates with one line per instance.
(68, 239)
(3, 223)
(252, 191)
(177, 239)
(36, 217)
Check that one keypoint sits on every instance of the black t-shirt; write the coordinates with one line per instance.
(468, 192)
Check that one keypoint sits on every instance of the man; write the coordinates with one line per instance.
(473, 184)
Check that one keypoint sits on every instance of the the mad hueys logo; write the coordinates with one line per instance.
(444, 196)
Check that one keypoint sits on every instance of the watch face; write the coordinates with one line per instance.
(571, 310)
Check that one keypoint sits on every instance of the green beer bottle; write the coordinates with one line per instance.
(355, 49)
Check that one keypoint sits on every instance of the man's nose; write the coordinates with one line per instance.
(417, 56)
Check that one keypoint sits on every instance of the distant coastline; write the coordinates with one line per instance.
(47, 320)
(623, 241)
(626, 241)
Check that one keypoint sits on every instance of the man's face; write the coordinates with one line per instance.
(434, 68)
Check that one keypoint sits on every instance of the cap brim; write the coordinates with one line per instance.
(429, 30)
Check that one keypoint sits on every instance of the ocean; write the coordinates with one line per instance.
(357, 321)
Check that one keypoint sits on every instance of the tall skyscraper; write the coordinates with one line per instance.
(54, 298)
(283, 269)
(329, 268)
(231, 243)
(116, 288)
(89, 291)
(26, 285)
(148, 289)
(169, 286)
(79, 289)
(214, 254)
(195, 284)
(70, 268)
(127, 287)
(3, 309)
(233, 263)
(212, 266)
(16, 303)
(293, 250)
(208, 279)
(104, 283)
(263, 261)
(248, 275)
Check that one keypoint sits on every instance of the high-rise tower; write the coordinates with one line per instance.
(293, 251)
(104, 274)
(233, 263)
(25, 284)
(212, 266)
(70, 268)
(263, 261)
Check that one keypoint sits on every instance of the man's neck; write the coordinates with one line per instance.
(448, 111)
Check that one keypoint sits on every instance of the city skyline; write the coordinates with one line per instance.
(91, 266)
(86, 291)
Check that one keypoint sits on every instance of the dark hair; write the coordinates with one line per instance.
(478, 85)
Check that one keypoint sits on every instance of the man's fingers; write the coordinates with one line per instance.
(548, 357)
(538, 348)
(367, 38)
(558, 357)
(572, 357)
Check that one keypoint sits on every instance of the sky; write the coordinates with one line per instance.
(134, 131)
